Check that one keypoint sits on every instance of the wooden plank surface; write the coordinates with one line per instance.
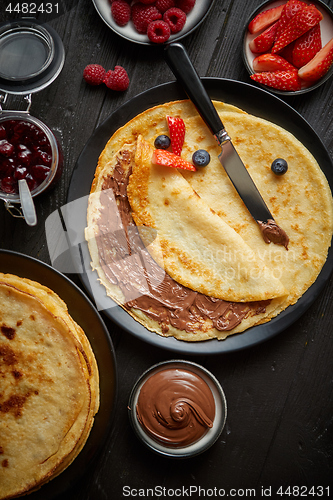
(279, 393)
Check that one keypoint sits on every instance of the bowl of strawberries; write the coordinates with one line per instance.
(288, 45)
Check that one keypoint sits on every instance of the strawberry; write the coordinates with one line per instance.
(306, 47)
(301, 22)
(319, 65)
(271, 62)
(290, 9)
(281, 80)
(143, 15)
(177, 133)
(168, 159)
(264, 19)
(263, 42)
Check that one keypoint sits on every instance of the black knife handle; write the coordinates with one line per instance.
(183, 69)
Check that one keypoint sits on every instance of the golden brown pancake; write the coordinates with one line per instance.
(295, 200)
(49, 390)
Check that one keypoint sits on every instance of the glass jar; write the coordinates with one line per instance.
(31, 57)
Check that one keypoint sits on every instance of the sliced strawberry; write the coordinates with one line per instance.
(271, 62)
(306, 46)
(281, 80)
(290, 9)
(263, 42)
(301, 22)
(287, 53)
(168, 159)
(177, 133)
(264, 19)
(319, 65)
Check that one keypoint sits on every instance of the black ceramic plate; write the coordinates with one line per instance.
(128, 32)
(84, 313)
(252, 100)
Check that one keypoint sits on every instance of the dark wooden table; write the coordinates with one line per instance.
(279, 393)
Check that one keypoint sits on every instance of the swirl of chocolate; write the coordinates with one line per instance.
(175, 407)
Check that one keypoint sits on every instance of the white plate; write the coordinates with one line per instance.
(194, 19)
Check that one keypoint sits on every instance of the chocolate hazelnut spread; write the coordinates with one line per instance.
(175, 407)
(145, 286)
(271, 232)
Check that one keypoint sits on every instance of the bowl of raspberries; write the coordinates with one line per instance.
(153, 22)
(288, 45)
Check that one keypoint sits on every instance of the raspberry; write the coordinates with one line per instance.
(164, 5)
(185, 5)
(94, 74)
(121, 12)
(142, 15)
(147, 2)
(176, 19)
(117, 79)
(158, 31)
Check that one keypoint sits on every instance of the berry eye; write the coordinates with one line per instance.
(162, 142)
(279, 166)
(201, 158)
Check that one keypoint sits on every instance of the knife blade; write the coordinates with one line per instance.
(180, 64)
(243, 183)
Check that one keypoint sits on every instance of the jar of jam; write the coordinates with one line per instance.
(31, 57)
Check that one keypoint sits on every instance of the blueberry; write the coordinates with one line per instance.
(201, 158)
(162, 142)
(279, 166)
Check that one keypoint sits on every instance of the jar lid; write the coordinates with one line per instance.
(31, 56)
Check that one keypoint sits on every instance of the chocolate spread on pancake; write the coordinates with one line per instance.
(175, 407)
(127, 264)
(271, 232)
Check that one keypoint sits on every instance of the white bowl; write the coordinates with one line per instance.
(208, 438)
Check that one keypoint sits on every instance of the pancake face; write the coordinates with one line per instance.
(186, 219)
(48, 386)
(199, 250)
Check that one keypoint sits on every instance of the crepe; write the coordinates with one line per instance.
(49, 386)
(295, 199)
(206, 203)
(199, 250)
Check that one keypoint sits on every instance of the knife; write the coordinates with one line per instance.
(183, 69)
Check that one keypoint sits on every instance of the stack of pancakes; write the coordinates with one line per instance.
(49, 386)
(197, 229)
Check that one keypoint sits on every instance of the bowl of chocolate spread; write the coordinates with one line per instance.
(177, 408)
